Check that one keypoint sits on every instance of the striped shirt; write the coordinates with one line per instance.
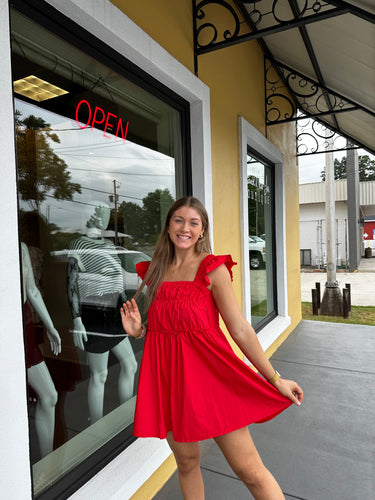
(100, 268)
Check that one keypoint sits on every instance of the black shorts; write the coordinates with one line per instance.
(103, 325)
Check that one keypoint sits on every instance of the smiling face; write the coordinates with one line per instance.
(185, 227)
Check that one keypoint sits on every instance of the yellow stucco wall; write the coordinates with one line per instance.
(235, 90)
(236, 81)
(169, 22)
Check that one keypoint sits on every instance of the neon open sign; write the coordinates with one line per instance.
(98, 116)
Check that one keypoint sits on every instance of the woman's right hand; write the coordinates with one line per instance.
(131, 318)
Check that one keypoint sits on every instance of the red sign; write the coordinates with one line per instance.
(110, 121)
(369, 231)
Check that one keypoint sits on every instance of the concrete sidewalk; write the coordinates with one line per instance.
(362, 283)
(323, 450)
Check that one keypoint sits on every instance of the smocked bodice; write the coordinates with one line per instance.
(182, 306)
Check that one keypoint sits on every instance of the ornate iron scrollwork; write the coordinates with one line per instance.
(208, 27)
(279, 105)
(291, 96)
(308, 96)
(314, 137)
(281, 13)
(312, 98)
(250, 20)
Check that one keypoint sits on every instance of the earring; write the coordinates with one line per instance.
(200, 236)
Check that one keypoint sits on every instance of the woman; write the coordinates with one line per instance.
(192, 385)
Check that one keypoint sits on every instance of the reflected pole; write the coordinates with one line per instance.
(115, 201)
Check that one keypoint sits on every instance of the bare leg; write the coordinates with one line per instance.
(128, 365)
(188, 457)
(98, 363)
(40, 380)
(241, 454)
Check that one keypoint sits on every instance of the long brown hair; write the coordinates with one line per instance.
(164, 250)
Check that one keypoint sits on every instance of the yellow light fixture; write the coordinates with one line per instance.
(37, 89)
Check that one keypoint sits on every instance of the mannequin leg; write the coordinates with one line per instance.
(128, 365)
(98, 363)
(40, 380)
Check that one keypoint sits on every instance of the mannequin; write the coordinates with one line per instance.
(96, 293)
(38, 375)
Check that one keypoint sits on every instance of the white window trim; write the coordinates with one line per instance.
(15, 481)
(128, 471)
(250, 136)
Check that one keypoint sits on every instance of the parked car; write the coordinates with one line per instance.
(257, 252)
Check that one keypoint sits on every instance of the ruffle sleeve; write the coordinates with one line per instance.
(212, 262)
(142, 268)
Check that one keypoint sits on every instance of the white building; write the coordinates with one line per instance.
(312, 221)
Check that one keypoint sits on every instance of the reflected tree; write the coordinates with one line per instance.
(144, 222)
(41, 172)
(155, 208)
(258, 196)
(132, 219)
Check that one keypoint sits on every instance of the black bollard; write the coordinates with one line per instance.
(348, 287)
(317, 286)
(314, 298)
(345, 302)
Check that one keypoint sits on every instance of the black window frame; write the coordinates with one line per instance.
(269, 164)
(50, 18)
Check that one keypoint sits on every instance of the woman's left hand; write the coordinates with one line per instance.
(290, 389)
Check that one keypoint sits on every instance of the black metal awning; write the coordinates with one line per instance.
(319, 57)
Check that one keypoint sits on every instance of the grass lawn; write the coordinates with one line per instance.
(359, 315)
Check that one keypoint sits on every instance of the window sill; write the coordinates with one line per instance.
(271, 332)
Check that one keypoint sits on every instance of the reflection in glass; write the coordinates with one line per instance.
(260, 216)
(38, 374)
(91, 207)
(96, 291)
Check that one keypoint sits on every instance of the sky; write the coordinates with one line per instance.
(95, 162)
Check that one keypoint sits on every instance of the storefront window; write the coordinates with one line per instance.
(100, 160)
(260, 187)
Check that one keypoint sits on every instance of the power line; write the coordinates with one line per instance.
(121, 173)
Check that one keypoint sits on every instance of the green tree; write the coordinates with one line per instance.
(41, 172)
(366, 168)
(155, 207)
(132, 216)
(257, 197)
(144, 222)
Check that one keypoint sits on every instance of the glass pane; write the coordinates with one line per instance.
(260, 208)
(99, 164)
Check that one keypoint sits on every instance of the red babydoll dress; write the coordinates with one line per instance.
(191, 382)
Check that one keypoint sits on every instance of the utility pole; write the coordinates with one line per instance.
(332, 302)
(352, 168)
(114, 198)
